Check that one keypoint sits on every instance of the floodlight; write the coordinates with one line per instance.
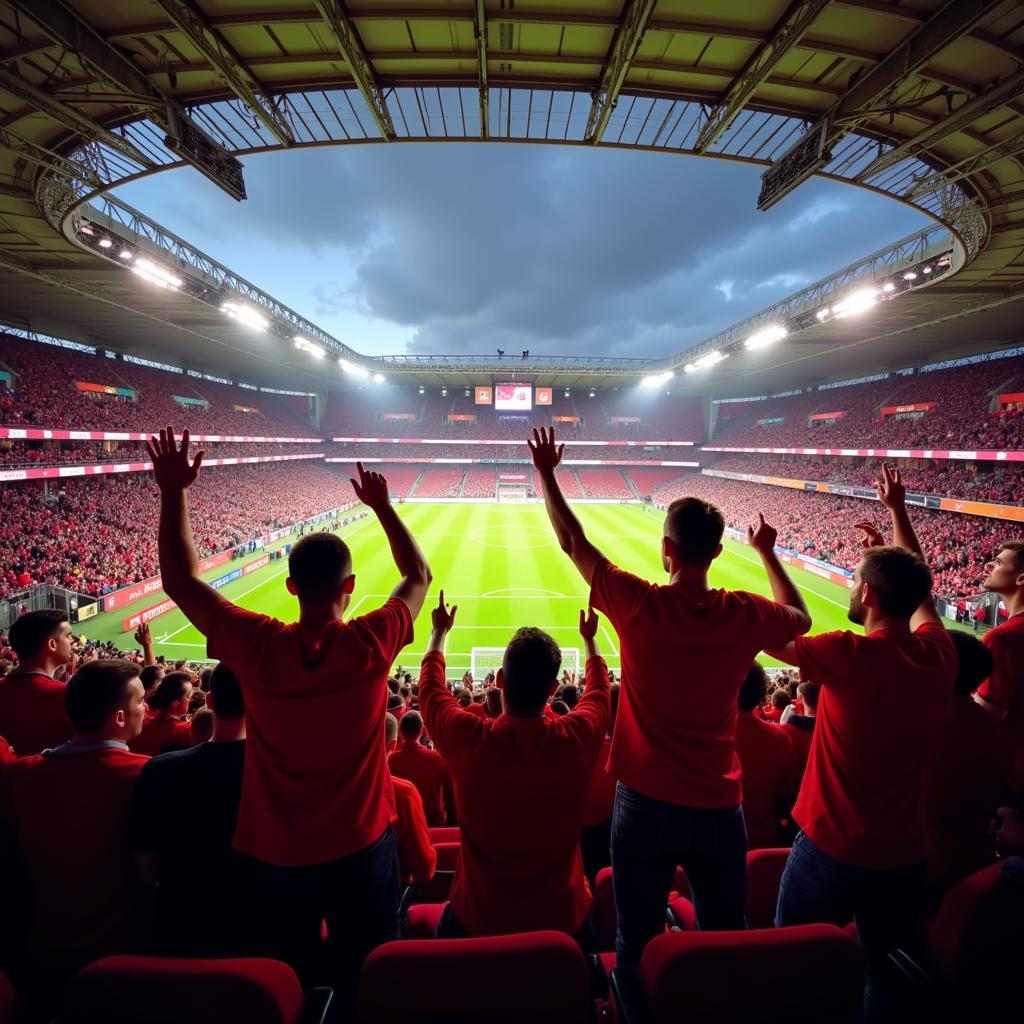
(126, 254)
(656, 379)
(857, 302)
(766, 336)
(910, 275)
(824, 314)
(353, 368)
(378, 378)
(927, 270)
(245, 315)
(888, 286)
(105, 243)
(156, 274)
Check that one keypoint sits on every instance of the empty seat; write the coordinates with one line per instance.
(705, 978)
(533, 978)
(155, 990)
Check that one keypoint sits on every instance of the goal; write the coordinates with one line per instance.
(488, 659)
(511, 492)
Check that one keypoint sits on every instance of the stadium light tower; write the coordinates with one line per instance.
(766, 336)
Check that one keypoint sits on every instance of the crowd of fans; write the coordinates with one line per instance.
(94, 536)
(308, 781)
(19, 454)
(1002, 483)
(44, 395)
(510, 452)
(966, 415)
(957, 546)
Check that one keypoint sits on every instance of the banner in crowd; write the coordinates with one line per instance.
(1016, 398)
(389, 417)
(350, 460)
(990, 455)
(826, 416)
(59, 434)
(896, 410)
(87, 611)
(147, 615)
(104, 389)
(484, 396)
(543, 396)
(461, 418)
(505, 442)
(188, 400)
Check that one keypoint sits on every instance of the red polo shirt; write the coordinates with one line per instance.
(684, 657)
(1005, 687)
(32, 714)
(316, 785)
(883, 701)
(426, 770)
(159, 732)
(770, 777)
(69, 814)
(520, 786)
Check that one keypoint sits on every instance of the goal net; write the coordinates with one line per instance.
(511, 493)
(488, 659)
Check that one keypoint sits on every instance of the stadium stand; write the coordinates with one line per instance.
(439, 483)
(480, 482)
(604, 483)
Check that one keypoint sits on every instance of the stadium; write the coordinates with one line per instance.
(567, 818)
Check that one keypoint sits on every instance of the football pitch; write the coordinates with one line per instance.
(500, 563)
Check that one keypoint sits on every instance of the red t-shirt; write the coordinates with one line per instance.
(477, 709)
(159, 732)
(801, 740)
(69, 816)
(683, 659)
(426, 770)
(883, 701)
(1005, 687)
(520, 785)
(416, 855)
(774, 714)
(601, 794)
(32, 714)
(770, 777)
(316, 785)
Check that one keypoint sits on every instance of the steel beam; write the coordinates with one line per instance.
(788, 31)
(1010, 149)
(336, 17)
(223, 59)
(47, 158)
(71, 118)
(480, 34)
(627, 41)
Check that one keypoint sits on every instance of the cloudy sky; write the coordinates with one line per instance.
(564, 251)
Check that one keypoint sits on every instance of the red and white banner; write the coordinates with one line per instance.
(883, 453)
(53, 434)
(136, 619)
(350, 460)
(505, 442)
(99, 468)
(258, 564)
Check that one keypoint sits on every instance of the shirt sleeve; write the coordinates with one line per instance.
(450, 727)
(825, 658)
(237, 636)
(778, 623)
(1001, 687)
(388, 628)
(590, 719)
(616, 592)
(416, 852)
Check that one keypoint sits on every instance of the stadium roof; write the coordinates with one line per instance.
(919, 102)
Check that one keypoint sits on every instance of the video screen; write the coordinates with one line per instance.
(513, 397)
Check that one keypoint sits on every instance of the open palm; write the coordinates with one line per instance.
(171, 465)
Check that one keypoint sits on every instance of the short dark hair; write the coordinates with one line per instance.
(318, 565)
(1017, 547)
(694, 527)
(394, 702)
(492, 702)
(151, 675)
(226, 691)
(96, 691)
(390, 728)
(899, 579)
(752, 689)
(171, 688)
(809, 693)
(410, 725)
(570, 694)
(781, 698)
(31, 630)
(531, 663)
(464, 696)
(196, 702)
(202, 725)
(974, 662)
(393, 684)
(559, 707)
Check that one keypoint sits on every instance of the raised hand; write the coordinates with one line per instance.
(171, 468)
(442, 618)
(143, 637)
(588, 624)
(872, 537)
(371, 488)
(761, 537)
(545, 453)
(891, 492)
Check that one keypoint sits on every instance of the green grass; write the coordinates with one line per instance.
(500, 564)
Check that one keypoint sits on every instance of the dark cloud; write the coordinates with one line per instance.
(562, 251)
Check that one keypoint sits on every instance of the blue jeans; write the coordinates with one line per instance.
(650, 838)
(883, 903)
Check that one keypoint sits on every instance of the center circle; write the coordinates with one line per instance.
(545, 537)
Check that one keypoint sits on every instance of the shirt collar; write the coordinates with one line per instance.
(70, 749)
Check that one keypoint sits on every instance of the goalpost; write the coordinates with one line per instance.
(508, 491)
(488, 659)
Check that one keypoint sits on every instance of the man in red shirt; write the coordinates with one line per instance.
(417, 857)
(686, 649)
(520, 785)
(67, 809)
(884, 695)
(424, 768)
(769, 764)
(800, 728)
(1003, 692)
(166, 729)
(317, 803)
(32, 713)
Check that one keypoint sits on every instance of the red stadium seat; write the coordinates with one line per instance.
(154, 990)
(534, 978)
(707, 978)
(447, 855)
(603, 910)
(421, 920)
(446, 834)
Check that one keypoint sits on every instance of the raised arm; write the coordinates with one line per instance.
(893, 495)
(179, 560)
(761, 538)
(571, 538)
(372, 490)
(144, 638)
